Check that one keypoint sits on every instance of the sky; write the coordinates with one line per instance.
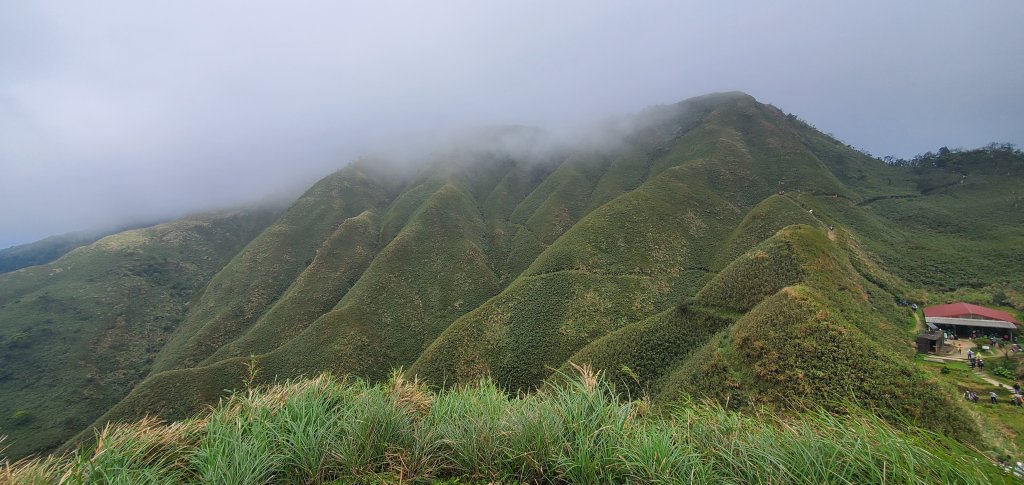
(119, 111)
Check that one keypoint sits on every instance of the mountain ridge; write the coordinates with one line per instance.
(650, 257)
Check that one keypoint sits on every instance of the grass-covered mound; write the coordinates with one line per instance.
(824, 340)
(638, 356)
(762, 222)
(328, 431)
(797, 321)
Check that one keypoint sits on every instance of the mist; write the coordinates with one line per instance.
(117, 111)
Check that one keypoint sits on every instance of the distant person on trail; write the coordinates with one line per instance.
(967, 395)
(981, 364)
(960, 349)
(1016, 388)
(992, 396)
(970, 355)
(974, 397)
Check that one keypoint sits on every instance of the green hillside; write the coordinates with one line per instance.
(248, 286)
(77, 334)
(689, 256)
(51, 248)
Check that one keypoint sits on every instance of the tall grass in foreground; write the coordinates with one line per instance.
(324, 430)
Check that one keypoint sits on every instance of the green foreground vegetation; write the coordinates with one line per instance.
(324, 430)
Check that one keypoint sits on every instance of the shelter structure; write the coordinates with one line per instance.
(962, 319)
(930, 342)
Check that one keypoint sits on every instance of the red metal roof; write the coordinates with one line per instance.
(967, 310)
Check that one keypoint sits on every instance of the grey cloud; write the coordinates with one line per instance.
(120, 110)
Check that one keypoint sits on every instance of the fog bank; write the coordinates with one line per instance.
(117, 110)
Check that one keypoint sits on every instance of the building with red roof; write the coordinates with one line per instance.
(962, 319)
(967, 310)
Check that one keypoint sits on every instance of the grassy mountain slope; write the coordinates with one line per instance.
(51, 248)
(338, 263)
(962, 235)
(807, 331)
(620, 263)
(660, 255)
(509, 268)
(436, 267)
(760, 223)
(250, 284)
(79, 333)
(636, 254)
(637, 356)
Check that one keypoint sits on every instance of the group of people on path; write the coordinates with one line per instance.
(1016, 398)
(974, 360)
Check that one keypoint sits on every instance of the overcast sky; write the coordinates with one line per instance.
(121, 110)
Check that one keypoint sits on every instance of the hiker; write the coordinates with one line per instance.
(1018, 401)
(967, 395)
(974, 397)
(992, 396)
(981, 364)
(970, 355)
(1016, 387)
(959, 349)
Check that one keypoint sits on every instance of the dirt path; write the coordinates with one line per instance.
(967, 345)
(989, 379)
(981, 375)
